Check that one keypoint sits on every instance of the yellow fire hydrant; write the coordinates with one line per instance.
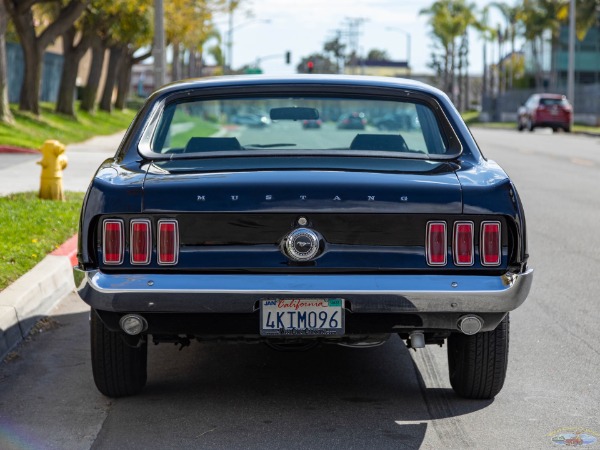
(53, 162)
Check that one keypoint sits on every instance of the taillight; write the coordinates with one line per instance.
(140, 241)
(490, 247)
(112, 241)
(463, 244)
(168, 242)
(436, 243)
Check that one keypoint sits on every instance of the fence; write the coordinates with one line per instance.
(504, 107)
(51, 72)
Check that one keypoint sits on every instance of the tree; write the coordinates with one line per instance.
(376, 54)
(336, 49)
(72, 54)
(5, 114)
(130, 29)
(34, 41)
(316, 63)
(449, 21)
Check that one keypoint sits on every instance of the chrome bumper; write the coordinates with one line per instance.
(239, 293)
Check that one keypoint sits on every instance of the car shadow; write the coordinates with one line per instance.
(220, 395)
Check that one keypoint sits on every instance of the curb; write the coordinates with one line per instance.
(33, 295)
(11, 149)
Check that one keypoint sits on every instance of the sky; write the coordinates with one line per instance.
(303, 26)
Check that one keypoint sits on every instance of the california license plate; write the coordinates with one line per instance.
(302, 317)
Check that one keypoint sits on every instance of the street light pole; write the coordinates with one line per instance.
(159, 45)
(571, 68)
(408, 43)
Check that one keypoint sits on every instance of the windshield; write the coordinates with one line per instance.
(296, 125)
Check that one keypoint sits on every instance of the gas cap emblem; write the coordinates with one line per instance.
(302, 244)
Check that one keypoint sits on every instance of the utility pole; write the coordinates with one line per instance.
(159, 45)
(571, 69)
(353, 38)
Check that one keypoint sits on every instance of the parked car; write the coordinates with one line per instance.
(311, 123)
(250, 120)
(545, 110)
(297, 242)
(405, 120)
(353, 121)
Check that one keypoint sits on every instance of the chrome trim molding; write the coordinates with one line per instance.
(365, 293)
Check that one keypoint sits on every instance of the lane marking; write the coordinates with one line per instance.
(583, 162)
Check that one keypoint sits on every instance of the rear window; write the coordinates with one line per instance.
(297, 125)
(554, 101)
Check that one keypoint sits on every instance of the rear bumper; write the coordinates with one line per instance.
(240, 293)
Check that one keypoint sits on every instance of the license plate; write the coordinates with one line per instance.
(302, 317)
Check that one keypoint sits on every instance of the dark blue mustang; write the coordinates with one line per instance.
(221, 216)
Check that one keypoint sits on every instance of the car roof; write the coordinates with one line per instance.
(306, 80)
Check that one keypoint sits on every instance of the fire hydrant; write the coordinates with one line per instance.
(53, 162)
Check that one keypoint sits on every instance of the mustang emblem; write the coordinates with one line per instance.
(302, 244)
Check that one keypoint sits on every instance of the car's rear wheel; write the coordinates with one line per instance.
(477, 364)
(119, 369)
(567, 129)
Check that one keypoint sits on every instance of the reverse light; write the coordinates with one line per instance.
(490, 244)
(140, 241)
(112, 241)
(168, 242)
(463, 244)
(436, 243)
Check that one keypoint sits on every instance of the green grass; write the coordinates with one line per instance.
(198, 128)
(32, 228)
(31, 131)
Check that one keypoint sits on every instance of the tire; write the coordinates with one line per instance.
(119, 370)
(530, 125)
(477, 364)
(555, 130)
(567, 129)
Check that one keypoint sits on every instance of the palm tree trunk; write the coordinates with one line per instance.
(5, 114)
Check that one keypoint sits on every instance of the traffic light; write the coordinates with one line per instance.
(310, 66)
(288, 57)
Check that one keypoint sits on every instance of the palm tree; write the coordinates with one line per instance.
(450, 20)
(511, 17)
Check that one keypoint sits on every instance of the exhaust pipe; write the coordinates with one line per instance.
(470, 324)
(132, 324)
(417, 339)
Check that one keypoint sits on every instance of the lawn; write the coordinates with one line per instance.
(32, 228)
(31, 131)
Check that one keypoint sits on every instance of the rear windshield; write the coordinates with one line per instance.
(554, 101)
(296, 125)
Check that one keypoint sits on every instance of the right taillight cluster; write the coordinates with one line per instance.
(463, 243)
(139, 237)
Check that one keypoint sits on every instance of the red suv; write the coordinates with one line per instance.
(545, 110)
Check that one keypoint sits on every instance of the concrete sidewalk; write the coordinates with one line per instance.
(20, 173)
(32, 296)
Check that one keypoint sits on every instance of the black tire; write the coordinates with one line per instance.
(530, 125)
(520, 126)
(567, 129)
(477, 364)
(119, 370)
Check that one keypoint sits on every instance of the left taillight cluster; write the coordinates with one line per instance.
(138, 237)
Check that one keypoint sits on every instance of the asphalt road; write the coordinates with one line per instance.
(235, 396)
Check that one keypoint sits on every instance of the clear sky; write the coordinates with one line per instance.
(303, 26)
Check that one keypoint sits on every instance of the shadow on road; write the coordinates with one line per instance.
(218, 395)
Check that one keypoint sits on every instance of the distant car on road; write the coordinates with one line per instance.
(250, 120)
(311, 123)
(297, 239)
(354, 121)
(545, 110)
(405, 120)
